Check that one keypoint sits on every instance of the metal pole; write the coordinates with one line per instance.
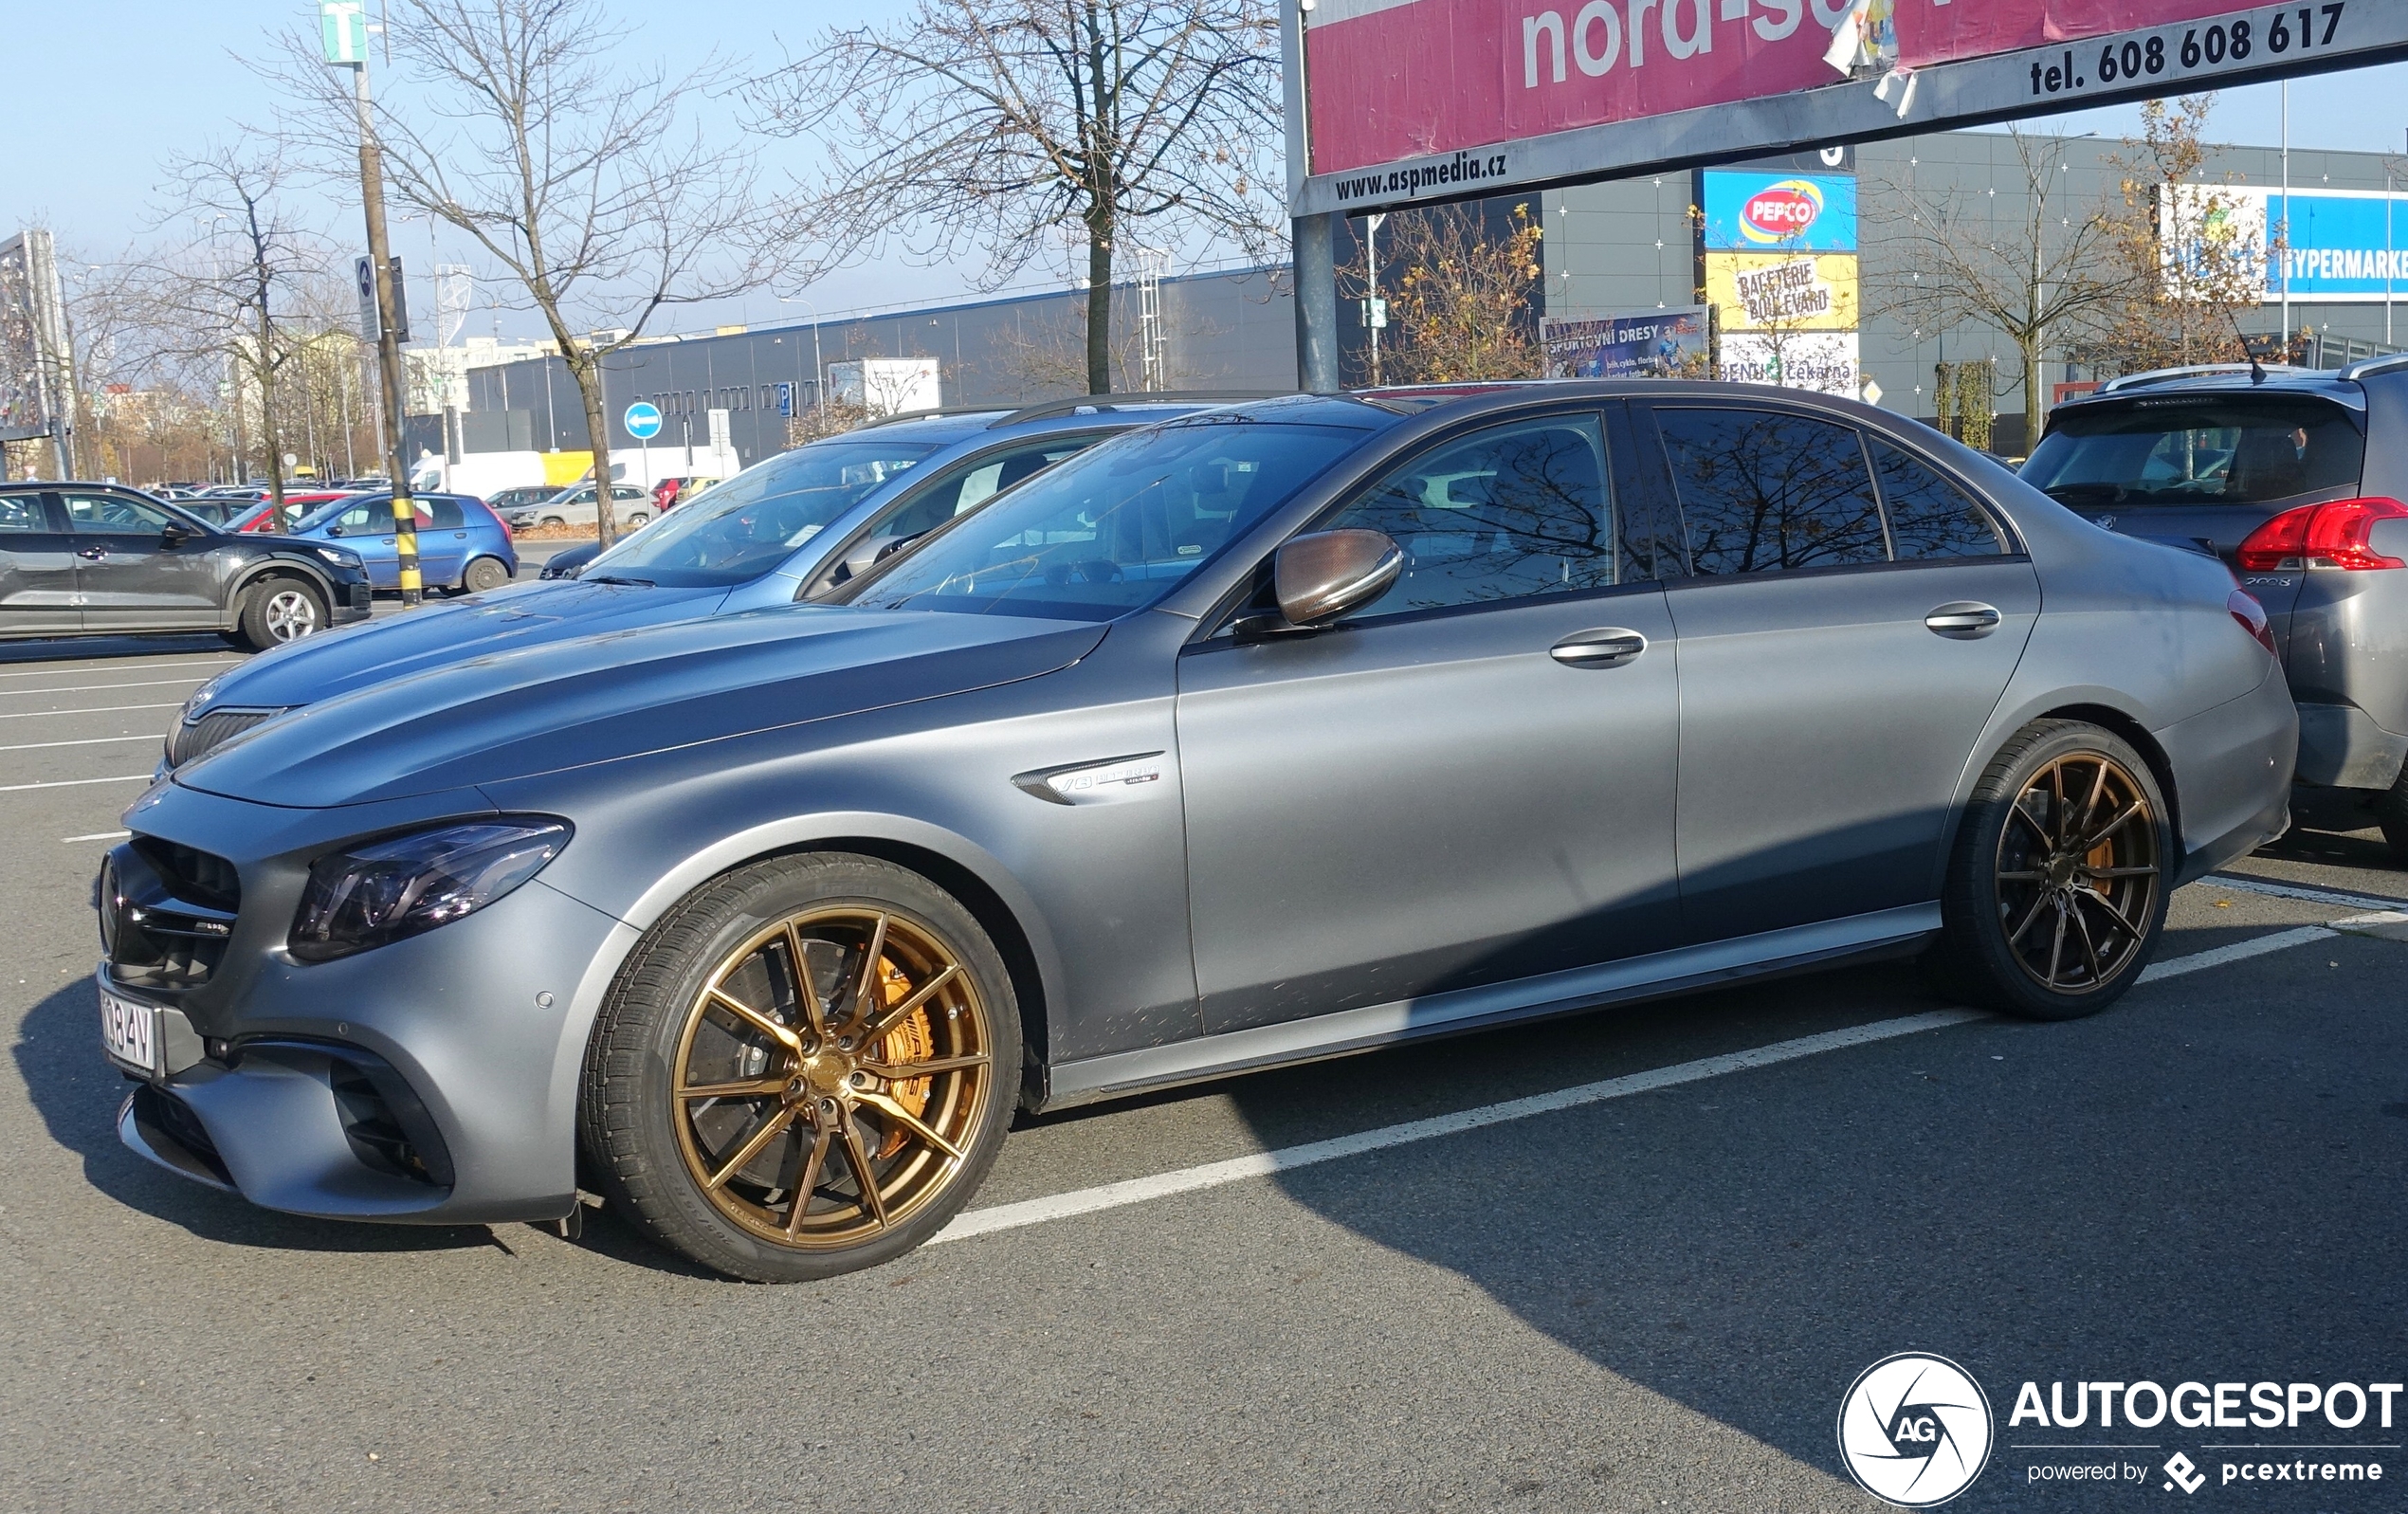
(371, 198)
(2284, 236)
(1316, 304)
(1370, 278)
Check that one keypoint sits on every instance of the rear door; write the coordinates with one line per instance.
(37, 568)
(131, 575)
(443, 537)
(1833, 685)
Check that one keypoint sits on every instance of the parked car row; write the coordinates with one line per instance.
(982, 763)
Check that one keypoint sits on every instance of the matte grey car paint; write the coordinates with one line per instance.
(678, 751)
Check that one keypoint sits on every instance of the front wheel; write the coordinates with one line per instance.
(2056, 893)
(2390, 812)
(805, 1068)
(276, 610)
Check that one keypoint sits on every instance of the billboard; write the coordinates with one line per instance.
(1676, 343)
(1795, 212)
(1782, 291)
(1399, 101)
(35, 396)
(1826, 362)
(2338, 246)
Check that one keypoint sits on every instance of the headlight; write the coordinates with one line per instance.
(199, 701)
(340, 559)
(405, 886)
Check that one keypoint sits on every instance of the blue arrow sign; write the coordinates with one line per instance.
(643, 420)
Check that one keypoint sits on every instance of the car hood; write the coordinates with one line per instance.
(514, 714)
(439, 635)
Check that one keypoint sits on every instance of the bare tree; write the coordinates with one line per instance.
(1459, 307)
(225, 294)
(2196, 264)
(2048, 272)
(578, 176)
(994, 124)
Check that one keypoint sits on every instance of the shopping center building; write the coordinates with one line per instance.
(1799, 258)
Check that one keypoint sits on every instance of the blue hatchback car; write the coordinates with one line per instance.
(462, 545)
(785, 529)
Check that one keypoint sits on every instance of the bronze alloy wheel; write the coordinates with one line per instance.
(2077, 873)
(831, 1076)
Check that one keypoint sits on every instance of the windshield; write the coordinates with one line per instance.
(1115, 528)
(2198, 450)
(747, 525)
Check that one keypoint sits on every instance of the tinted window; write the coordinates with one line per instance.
(115, 515)
(751, 523)
(973, 484)
(2194, 450)
(440, 509)
(1930, 517)
(22, 512)
(1508, 513)
(1762, 490)
(1115, 528)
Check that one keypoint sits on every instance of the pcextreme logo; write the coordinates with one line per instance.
(1914, 1430)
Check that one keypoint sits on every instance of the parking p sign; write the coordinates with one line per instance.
(643, 420)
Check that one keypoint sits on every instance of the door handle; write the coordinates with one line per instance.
(1963, 619)
(93, 553)
(1610, 647)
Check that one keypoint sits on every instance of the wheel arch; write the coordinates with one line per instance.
(266, 568)
(2123, 723)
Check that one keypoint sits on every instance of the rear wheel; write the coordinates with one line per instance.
(2056, 893)
(806, 1069)
(637, 519)
(484, 573)
(276, 610)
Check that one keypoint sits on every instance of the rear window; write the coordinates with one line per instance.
(2198, 450)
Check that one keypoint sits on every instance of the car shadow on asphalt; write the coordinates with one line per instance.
(2202, 1182)
(93, 649)
(2360, 851)
(77, 1094)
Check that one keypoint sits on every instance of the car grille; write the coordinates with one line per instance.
(194, 739)
(167, 912)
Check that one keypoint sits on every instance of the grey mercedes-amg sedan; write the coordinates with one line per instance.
(1275, 732)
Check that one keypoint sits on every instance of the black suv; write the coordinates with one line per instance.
(103, 560)
(2296, 479)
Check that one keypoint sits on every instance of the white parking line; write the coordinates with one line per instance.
(118, 668)
(97, 835)
(93, 689)
(69, 783)
(89, 740)
(105, 709)
(2309, 892)
(2239, 950)
(1260, 1164)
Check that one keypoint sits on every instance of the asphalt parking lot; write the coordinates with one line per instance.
(1649, 1293)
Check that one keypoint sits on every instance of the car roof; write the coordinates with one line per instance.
(2226, 379)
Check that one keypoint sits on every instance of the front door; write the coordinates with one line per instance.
(135, 575)
(1838, 663)
(1469, 781)
(37, 569)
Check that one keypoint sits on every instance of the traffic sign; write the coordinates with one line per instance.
(344, 25)
(643, 420)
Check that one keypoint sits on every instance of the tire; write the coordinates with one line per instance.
(483, 574)
(279, 609)
(670, 1024)
(551, 521)
(2033, 924)
(638, 518)
(2390, 812)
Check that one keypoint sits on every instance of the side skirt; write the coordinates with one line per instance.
(1658, 975)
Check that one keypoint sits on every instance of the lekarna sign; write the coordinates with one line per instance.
(643, 420)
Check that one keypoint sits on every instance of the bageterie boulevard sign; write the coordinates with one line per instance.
(1406, 101)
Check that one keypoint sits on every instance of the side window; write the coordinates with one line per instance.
(362, 518)
(113, 515)
(22, 512)
(1509, 513)
(1930, 517)
(441, 511)
(1764, 491)
(957, 493)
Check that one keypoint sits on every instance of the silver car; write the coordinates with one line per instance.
(1270, 733)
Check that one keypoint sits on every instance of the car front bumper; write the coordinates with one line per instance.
(430, 1081)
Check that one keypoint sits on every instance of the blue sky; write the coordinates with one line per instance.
(98, 94)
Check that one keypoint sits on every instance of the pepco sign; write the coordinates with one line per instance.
(1778, 212)
(1781, 215)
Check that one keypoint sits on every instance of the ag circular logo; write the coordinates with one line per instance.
(1914, 1430)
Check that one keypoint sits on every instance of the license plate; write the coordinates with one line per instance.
(129, 1034)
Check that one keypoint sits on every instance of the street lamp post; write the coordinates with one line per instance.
(345, 32)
